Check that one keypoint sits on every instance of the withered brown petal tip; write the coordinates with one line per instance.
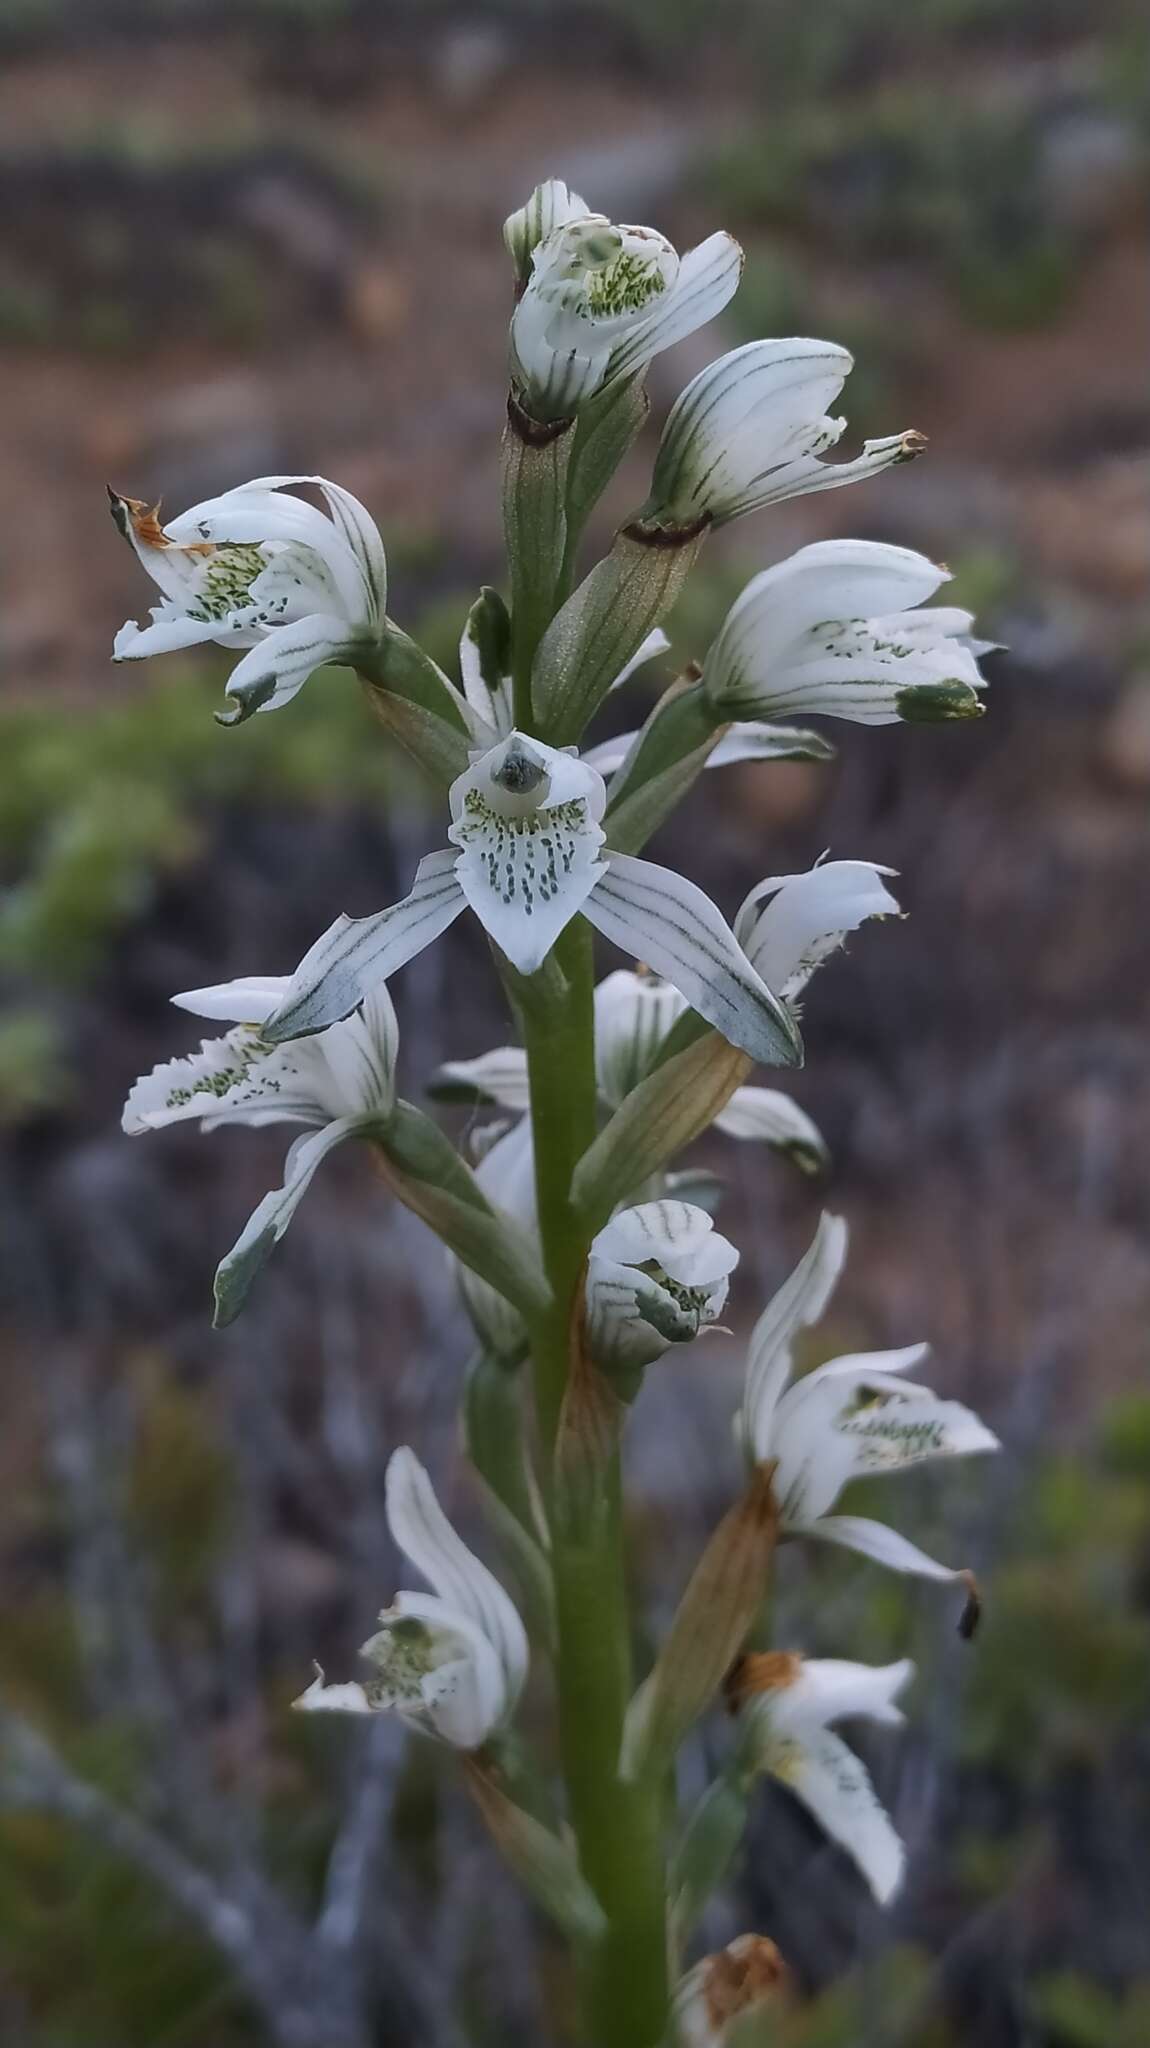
(971, 1614)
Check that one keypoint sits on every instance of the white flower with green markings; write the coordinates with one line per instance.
(657, 1275)
(852, 1418)
(835, 631)
(340, 1084)
(453, 1662)
(785, 1706)
(752, 429)
(599, 301)
(259, 568)
(531, 854)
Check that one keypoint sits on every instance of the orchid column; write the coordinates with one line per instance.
(582, 1253)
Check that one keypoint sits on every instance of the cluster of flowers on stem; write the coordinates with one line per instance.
(543, 840)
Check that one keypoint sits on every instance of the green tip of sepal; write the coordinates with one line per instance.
(235, 1274)
(938, 703)
(808, 1158)
(243, 705)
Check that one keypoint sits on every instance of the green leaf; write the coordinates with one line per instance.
(543, 1863)
(656, 1120)
(604, 623)
(708, 1847)
(422, 1167)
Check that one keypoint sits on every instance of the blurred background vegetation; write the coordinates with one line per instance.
(264, 237)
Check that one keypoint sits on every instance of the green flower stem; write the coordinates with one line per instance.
(617, 1827)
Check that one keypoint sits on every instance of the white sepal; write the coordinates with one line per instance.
(498, 1077)
(249, 999)
(658, 916)
(789, 924)
(526, 818)
(799, 1303)
(657, 1275)
(882, 1545)
(747, 740)
(751, 429)
(268, 1222)
(787, 1735)
(451, 1662)
(356, 954)
(767, 1117)
(506, 1176)
(834, 630)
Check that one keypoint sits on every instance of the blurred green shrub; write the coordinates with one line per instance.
(915, 173)
(97, 802)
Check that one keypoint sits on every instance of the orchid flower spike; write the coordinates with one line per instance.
(453, 1662)
(784, 1705)
(751, 429)
(260, 569)
(835, 630)
(528, 853)
(598, 301)
(853, 1417)
(725, 1993)
(657, 1275)
(340, 1084)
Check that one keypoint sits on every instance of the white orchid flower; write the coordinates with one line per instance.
(525, 821)
(785, 1705)
(657, 1275)
(599, 300)
(260, 569)
(834, 630)
(451, 1662)
(789, 924)
(751, 429)
(726, 1992)
(851, 1418)
(340, 1083)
